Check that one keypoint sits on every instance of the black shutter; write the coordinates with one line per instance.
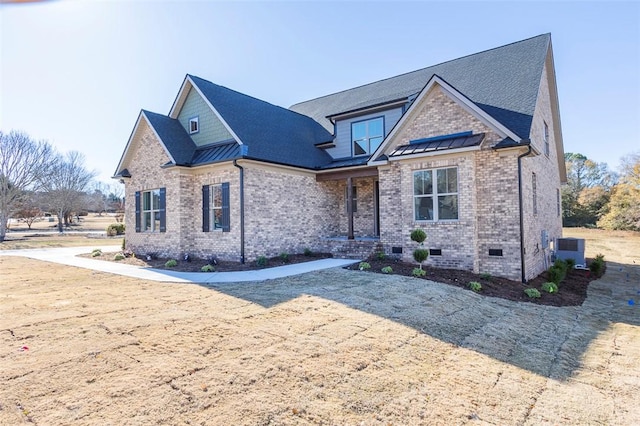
(205, 208)
(163, 209)
(137, 211)
(226, 216)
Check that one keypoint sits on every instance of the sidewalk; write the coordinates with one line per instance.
(68, 256)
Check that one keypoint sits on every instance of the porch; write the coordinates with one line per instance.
(356, 248)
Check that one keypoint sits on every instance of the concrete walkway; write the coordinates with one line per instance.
(68, 256)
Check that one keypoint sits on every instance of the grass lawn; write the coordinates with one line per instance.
(89, 231)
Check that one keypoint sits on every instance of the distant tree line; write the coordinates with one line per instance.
(597, 197)
(35, 178)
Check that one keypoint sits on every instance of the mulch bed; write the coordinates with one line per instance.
(572, 291)
(195, 264)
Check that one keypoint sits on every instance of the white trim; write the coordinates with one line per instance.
(182, 96)
(459, 98)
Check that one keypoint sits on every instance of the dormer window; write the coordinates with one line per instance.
(194, 126)
(367, 135)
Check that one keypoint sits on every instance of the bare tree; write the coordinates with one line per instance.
(65, 185)
(28, 209)
(23, 162)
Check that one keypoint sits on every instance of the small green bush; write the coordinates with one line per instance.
(533, 293)
(115, 229)
(420, 255)
(485, 276)
(207, 268)
(387, 270)
(118, 256)
(171, 263)
(417, 272)
(556, 274)
(96, 253)
(418, 235)
(597, 265)
(380, 255)
(550, 287)
(262, 261)
(363, 266)
(571, 263)
(284, 257)
(560, 264)
(475, 286)
(308, 252)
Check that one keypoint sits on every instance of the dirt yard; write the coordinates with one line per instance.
(335, 347)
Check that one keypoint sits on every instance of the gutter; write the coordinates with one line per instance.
(235, 163)
(520, 202)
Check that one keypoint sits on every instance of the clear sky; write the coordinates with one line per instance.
(78, 72)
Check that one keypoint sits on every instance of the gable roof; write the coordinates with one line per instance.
(270, 133)
(174, 137)
(503, 82)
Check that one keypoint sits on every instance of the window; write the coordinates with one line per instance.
(534, 191)
(354, 200)
(151, 210)
(546, 139)
(194, 125)
(367, 136)
(215, 208)
(435, 194)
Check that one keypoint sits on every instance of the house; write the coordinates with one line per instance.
(470, 150)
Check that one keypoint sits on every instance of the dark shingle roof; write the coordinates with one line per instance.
(503, 82)
(173, 136)
(270, 132)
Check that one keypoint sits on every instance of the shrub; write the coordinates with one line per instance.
(118, 256)
(485, 276)
(387, 270)
(262, 261)
(284, 257)
(364, 266)
(475, 286)
(207, 268)
(96, 253)
(550, 287)
(171, 263)
(597, 265)
(380, 255)
(418, 272)
(418, 235)
(420, 255)
(308, 252)
(556, 274)
(533, 293)
(115, 229)
(560, 264)
(571, 263)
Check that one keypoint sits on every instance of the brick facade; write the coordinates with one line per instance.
(487, 195)
(288, 210)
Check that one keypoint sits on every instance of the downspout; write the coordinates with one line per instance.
(235, 163)
(520, 202)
